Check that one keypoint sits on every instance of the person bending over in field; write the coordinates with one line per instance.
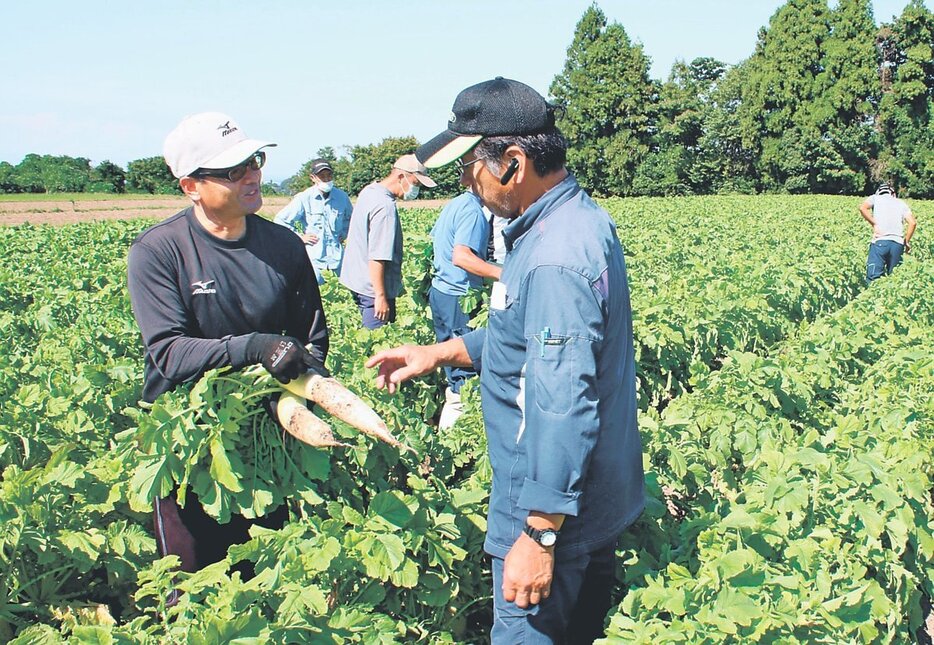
(373, 260)
(216, 285)
(557, 371)
(887, 215)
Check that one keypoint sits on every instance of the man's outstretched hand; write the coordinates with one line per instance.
(402, 363)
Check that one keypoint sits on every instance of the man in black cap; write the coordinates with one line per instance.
(557, 370)
(888, 217)
(320, 215)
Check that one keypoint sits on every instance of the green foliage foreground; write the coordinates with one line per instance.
(787, 418)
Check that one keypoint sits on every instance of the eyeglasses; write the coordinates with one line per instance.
(460, 165)
(234, 173)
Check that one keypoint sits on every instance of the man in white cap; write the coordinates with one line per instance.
(557, 370)
(213, 286)
(320, 215)
(372, 267)
(892, 227)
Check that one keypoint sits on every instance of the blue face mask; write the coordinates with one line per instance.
(412, 191)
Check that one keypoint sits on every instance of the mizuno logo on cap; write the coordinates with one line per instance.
(227, 129)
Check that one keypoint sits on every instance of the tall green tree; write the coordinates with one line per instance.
(151, 175)
(905, 112)
(609, 104)
(849, 93)
(684, 101)
(8, 183)
(108, 177)
(776, 115)
(52, 174)
(725, 163)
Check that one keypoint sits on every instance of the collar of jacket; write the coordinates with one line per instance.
(539, 210)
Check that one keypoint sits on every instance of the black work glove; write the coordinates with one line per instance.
(283, 356)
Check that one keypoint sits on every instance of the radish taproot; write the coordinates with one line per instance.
(301, 423)
(343, 404)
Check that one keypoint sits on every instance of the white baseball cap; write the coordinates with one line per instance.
(207, 140)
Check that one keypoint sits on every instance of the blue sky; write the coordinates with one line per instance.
(108, 80)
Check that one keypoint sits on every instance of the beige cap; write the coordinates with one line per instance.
(410, 164)
(207, 140)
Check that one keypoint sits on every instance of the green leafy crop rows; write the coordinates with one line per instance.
(786, 414)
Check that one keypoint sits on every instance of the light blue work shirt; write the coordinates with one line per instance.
(557, 377)
(325, 215)
(461, 222)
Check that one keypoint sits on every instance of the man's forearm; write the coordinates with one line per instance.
(452, 352)
(539, 520)
(464, 258)
(377, 270)
(866, 212)
(911, 224)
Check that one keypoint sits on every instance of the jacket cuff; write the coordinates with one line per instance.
(536, 497)
(236, 350)
(474, 342)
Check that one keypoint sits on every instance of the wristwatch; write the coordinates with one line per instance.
(545, 537)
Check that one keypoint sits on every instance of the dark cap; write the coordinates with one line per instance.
(500, 107)
(318, 165)
(884, 189)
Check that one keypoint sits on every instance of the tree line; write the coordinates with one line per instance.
(828, 102)
(64, 174)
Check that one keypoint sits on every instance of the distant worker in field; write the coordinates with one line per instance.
(557, 371)
(320, 215)
(217, 285)
(888, 216)
(373, 260)
(460, 237)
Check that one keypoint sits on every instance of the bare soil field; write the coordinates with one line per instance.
(66, 211)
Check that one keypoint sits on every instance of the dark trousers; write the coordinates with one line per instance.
(884, 256)
(367, 308)
(450, 322)
(574, 612)
(198, 539)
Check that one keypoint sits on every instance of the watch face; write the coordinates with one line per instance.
(548, 538)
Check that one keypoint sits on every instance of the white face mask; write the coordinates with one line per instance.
(325, 186)
(412, 192)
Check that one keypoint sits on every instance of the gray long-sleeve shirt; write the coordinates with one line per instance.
(198, 299)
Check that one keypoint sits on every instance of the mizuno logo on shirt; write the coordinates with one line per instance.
(203, 286)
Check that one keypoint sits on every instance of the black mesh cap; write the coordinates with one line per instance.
(884, 189)
(499, 107)
(320, 164)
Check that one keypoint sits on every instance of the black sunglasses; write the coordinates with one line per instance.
(234, 173)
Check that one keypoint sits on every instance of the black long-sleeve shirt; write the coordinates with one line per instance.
(198, 299)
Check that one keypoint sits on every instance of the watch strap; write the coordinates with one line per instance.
(536, 534)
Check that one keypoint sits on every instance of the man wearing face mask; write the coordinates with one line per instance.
(372, 267)
(320, 215)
